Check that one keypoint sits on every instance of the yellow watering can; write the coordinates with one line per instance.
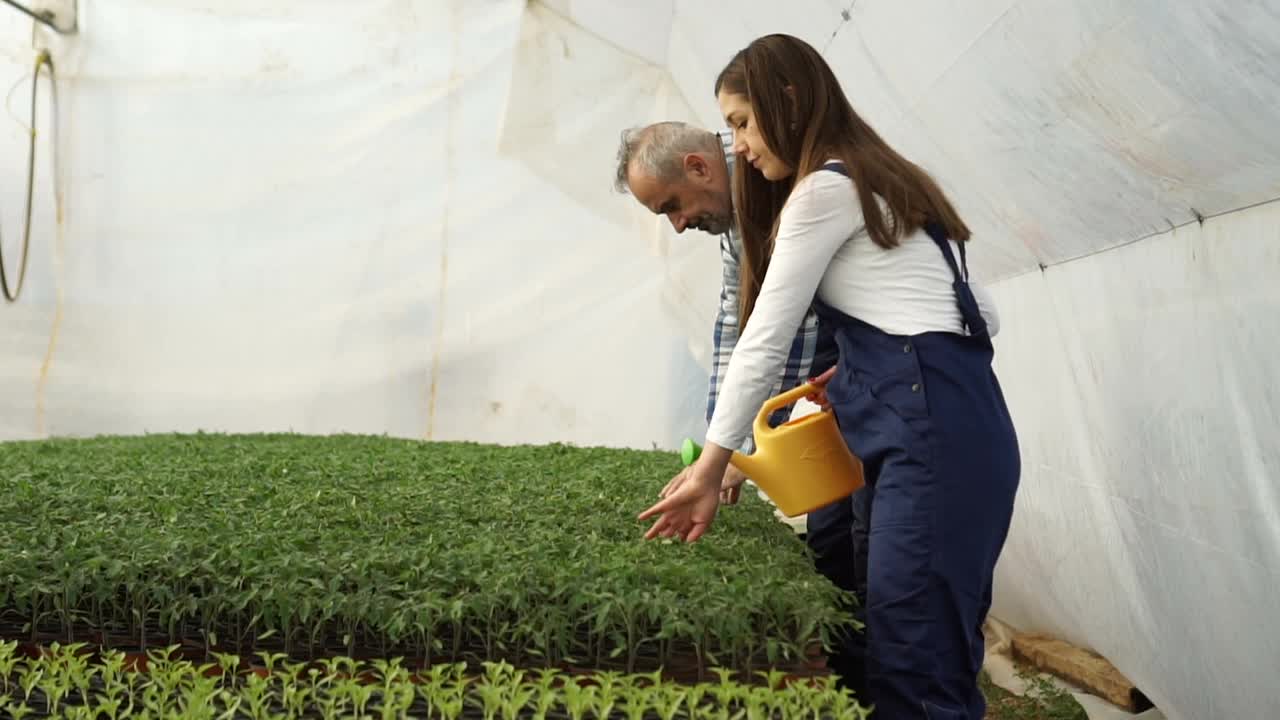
(802, 464)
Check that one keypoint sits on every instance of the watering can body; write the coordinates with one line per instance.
(802, 464)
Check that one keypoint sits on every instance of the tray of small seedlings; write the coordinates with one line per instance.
(373, 547)
(73, 682)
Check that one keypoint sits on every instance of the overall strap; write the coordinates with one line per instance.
(836, 166)
(939, 236)
(965, 299)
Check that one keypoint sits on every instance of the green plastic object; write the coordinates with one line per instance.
(689, 452)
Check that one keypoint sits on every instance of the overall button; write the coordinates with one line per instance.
(915, 387)
(906, 348)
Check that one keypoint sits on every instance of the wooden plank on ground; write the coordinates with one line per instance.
(1084, 668)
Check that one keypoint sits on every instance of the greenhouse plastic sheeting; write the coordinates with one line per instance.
(368, 217)
(1146, 397)
(396, 217)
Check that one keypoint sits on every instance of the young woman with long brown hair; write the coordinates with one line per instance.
(831, 215)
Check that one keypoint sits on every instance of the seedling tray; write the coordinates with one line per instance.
(372, 547)
(72, 682)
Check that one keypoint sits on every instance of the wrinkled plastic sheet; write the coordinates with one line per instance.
(1146, 398)
(377, 217)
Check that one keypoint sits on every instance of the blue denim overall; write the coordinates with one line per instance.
(926, 416)
(837, 535)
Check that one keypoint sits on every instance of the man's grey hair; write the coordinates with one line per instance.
(658, 150)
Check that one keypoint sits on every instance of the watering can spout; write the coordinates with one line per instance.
(803, 464)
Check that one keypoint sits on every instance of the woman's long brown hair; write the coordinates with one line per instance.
(804, 117)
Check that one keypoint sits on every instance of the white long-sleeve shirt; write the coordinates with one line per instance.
(823, 248)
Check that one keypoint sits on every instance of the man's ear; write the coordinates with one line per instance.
(696, 165)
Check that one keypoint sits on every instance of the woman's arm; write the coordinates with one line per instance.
(819, 217)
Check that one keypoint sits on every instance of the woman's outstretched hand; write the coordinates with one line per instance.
(820, 398)
(689, 502)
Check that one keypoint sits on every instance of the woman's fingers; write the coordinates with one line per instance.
(674, 524)
(697, 531)
(819, 398)
(667, 504)
(657, 529)
(825, 377)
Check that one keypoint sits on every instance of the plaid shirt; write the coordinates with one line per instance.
(804, 349)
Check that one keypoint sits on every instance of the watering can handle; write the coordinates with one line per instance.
(762, 418)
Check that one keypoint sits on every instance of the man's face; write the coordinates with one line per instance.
(698, 200)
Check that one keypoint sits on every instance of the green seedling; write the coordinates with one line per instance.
(288, 545)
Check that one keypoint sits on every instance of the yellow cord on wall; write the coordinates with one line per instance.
(43, 59)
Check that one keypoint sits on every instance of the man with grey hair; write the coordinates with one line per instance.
(680, 171)
(684, 172)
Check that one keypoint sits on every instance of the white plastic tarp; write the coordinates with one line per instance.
(395, 216)
(368, 217)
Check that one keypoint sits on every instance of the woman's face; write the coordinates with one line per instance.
(748, 143)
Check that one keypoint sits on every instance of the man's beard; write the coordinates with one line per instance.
(715, 225)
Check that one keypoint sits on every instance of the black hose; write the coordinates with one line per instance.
(43, 59)
(44, 17)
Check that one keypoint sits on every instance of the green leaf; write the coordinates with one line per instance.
(431, 548)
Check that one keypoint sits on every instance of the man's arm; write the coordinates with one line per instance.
(726, 327)
(726, 336)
